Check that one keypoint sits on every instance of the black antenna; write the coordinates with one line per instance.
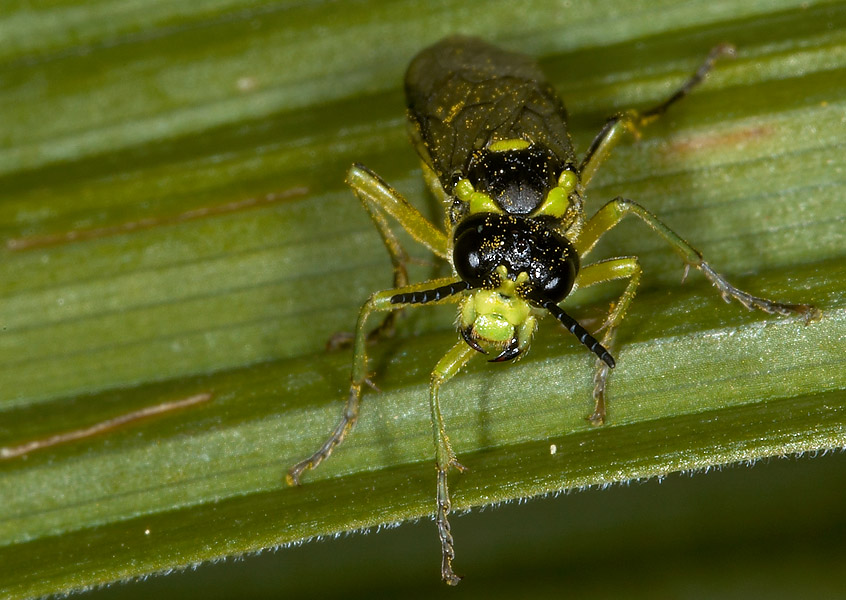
(580, 332)
(432, 295)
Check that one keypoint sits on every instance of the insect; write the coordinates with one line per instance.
(492, 137)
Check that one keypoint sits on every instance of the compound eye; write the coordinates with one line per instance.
(471, 252)
(558, 280)
(555, 266)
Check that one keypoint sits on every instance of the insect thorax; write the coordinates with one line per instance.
(516, 177)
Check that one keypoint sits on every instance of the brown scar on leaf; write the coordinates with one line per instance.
(9, 452)
(733, 138)
(78, 235)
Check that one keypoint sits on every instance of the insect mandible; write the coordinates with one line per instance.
(492, 137)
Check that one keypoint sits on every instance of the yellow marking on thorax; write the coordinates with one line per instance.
(505, 145)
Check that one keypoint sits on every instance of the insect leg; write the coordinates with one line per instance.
(380, 301)
(379, 199)
(613, 212)
(626, 267)
(399, 258)
(376, 194)
(447, 367)
(632, 120)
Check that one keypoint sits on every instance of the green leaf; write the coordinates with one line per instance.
(176, 226)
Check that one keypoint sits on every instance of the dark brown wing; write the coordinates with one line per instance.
(463, 93)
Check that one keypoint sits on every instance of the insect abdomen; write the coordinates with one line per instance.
(463, 94)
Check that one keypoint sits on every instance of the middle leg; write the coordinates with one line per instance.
(612, 213)
(626, 267)
(380, 200)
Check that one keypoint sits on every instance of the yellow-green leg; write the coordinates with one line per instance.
(379, 200)
(612, 213)
(626, 267)
(446, 369)
(377, 195)
(631, 121)
(378, 302)
(620, 268)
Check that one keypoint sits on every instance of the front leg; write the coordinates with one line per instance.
(380, 200)
(447, 367)
(377, 196)
(378, 302)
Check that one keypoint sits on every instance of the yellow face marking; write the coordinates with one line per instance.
(497, 315)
